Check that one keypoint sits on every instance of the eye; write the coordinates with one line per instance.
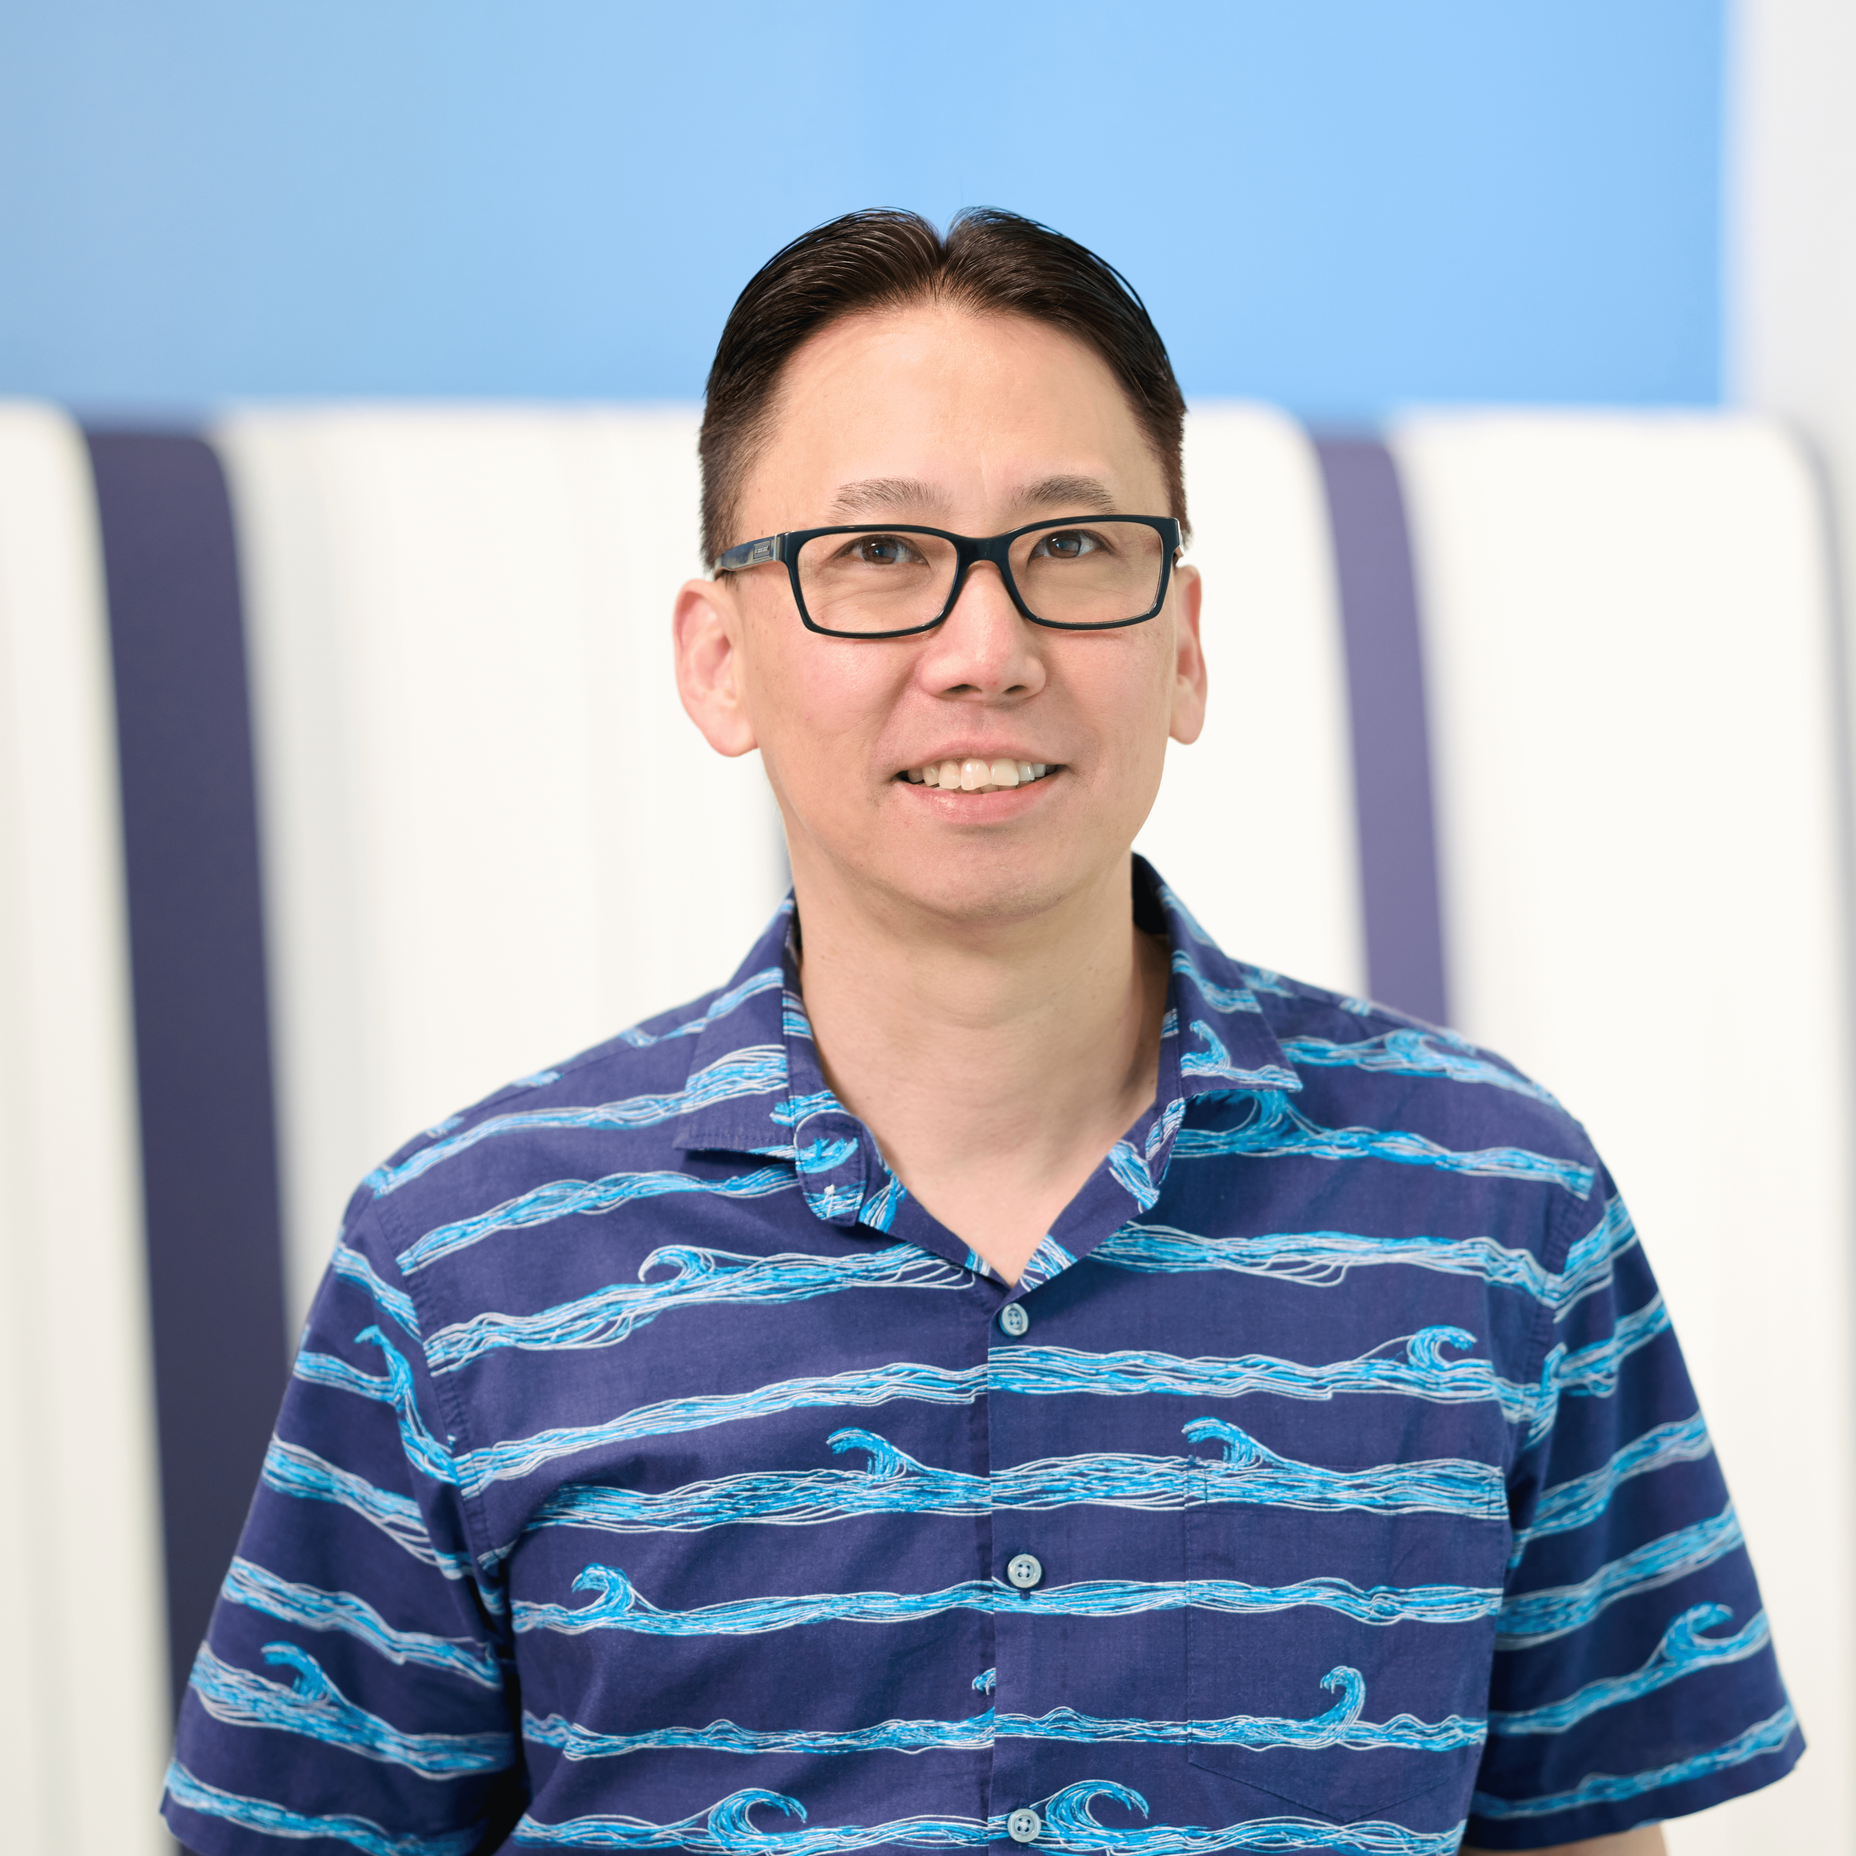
(1068, 544)
(882, 551)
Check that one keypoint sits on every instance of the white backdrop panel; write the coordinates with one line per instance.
(1630, 646)
(492, 836)
(1255, 822)
(84, 1706)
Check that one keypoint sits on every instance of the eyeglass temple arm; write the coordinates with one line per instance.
(750, 554)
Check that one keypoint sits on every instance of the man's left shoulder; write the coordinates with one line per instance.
(1363, 1064)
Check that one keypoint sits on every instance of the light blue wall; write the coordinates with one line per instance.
(1340, 204)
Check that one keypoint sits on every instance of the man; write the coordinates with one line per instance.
(998, 1372)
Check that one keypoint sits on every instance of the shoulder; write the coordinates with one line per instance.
(1355, 1051)
(1488, 1142)
(614, 1105)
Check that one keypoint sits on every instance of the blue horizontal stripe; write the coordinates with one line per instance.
(895, 1483)
(1682, 1651)
(727, 1829)
(251, 1585)
(757, 1070)
(1278, 1130)
(1767, 1736)
(584, 1198)
(1324, 1259)
(1582, 1500)
(1537, 1617)
(314, 1707)
(620, 1607)
(696, 1279)
(276, 1820)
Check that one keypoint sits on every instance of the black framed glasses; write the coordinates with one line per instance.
(890, 580)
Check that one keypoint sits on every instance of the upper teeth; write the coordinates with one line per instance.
(979, 776)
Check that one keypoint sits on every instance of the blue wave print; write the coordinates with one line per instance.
(1278, 1130)
(697, 1279)
(793, 1020)
(880, 1209)
(274, 1820)
(423, 1450)
(313, 1706)
(1338, 1725)
(1767, 1736)
(522, 1456)
(1251, 1472)
(896, 1483)
(1538, 1617)
(292, 1470)
(1681, 1652)
(251, 1585)
(757, 1070)
(1132, 1175)
(351, 1266)
(571, 1198)
(1053, 1372)
(1071, 1827)
(727, 1829)
(1213, 1064)
(768, 979)
(1583, 1499)
(576, 1742)
(1223, 998)
(1592, 1372)
(986, 1681)
(1047, 1260)
(1412, 1052)
(620, 1606)
(1422, 1373)
(1323, 1259)
(795, 1109)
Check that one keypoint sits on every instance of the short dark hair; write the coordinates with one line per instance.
(993, 262)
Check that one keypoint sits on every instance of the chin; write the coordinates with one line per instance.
(989, 891)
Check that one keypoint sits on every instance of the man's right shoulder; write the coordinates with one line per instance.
(612, 1109)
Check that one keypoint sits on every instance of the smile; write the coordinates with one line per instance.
(977, 776)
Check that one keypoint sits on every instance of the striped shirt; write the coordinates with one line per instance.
(657, 1474)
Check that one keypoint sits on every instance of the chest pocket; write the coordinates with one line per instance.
(1340, 1635)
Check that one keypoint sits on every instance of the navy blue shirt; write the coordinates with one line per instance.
(657, 1474)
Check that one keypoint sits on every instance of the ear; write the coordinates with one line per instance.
(1188, 658)
(707, 631)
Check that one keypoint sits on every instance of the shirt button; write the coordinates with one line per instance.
(1024, 1570)
(1014, 1320)
(1023, 1826)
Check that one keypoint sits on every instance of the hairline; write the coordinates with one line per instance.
(758, 436)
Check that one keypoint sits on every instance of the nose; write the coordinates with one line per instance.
(983, 649)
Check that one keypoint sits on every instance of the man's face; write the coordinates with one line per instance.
(935, 416)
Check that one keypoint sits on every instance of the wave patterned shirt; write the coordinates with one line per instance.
(655, 1470)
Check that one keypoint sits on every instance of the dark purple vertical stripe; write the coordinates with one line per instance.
(202, 1038)
(1391, 740)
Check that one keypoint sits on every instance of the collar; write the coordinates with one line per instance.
(755, 1085)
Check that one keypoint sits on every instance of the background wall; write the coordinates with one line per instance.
(1338, 205)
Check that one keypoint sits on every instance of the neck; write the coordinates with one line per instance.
(996, 1063)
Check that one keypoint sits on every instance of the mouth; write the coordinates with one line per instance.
(974, 775)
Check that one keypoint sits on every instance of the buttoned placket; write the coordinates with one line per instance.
(847, 1183)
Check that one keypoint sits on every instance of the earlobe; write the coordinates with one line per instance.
(1188, 717)
(705, 630)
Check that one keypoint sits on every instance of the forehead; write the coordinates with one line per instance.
(971, 408)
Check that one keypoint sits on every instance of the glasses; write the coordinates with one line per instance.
(1087, 574)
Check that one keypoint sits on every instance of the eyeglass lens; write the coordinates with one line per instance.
(1070, 575)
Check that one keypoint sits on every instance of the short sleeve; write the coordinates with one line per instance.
(354, 1688)
(1634, 1675)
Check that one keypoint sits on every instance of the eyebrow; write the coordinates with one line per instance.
(883, 495)
(873, 495)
